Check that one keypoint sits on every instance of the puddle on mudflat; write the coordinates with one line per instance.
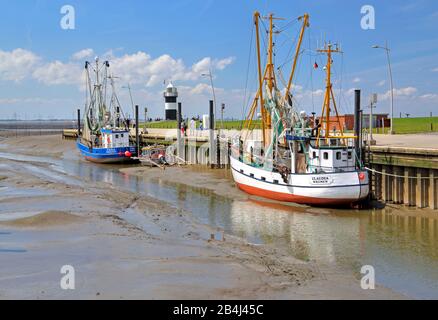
(7, 192)
(12, 251)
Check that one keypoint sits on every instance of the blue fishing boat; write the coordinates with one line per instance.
(105, 135)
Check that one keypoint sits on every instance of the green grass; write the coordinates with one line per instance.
(415, 125)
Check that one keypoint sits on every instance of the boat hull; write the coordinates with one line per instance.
(106, 155)
(330, 189)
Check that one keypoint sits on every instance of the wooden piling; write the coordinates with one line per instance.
(407, 188)
(398, 186)
(420, 190)
(432, 190)
(384, 184)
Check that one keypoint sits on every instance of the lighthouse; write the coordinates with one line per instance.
(170, 100)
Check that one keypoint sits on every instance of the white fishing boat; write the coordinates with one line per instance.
(296, 159)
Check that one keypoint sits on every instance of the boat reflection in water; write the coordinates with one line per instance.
(398, 243)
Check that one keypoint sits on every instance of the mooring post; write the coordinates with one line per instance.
(212, 152)
(79, 123)
(218, 151)
(178, 131)
(357, 121)
(137, 134)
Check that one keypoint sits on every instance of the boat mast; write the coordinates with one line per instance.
(261, 78)
(306, 24)
(330, 98)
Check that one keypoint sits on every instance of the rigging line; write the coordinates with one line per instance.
(341, 84)
(311, 74)
(396, 175)
(288, 25)
(290, 60)
(290, 52)
(288, 37)
(245, 105)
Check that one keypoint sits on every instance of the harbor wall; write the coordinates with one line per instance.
(406, 176)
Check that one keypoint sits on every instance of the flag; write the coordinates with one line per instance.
(315, 65)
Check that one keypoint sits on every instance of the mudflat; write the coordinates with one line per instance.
(124, 245)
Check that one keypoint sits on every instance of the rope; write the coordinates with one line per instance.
(396, 175)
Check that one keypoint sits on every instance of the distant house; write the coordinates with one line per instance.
(346, 121)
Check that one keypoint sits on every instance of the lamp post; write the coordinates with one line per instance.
(391, 82)
(373, 102)
(209, 74)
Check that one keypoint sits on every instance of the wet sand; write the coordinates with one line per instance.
(126, 246)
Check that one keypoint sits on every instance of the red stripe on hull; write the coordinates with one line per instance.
(109, 161)
(279, 196)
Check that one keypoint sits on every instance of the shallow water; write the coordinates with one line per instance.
(402, 245)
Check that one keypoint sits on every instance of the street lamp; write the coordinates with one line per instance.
(212, 88)
(391, 82)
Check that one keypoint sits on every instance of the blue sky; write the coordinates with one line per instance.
(152, 41)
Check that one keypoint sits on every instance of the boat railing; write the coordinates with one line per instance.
(333, 142)
(322, 169)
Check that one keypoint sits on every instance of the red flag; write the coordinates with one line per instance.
(315, 65)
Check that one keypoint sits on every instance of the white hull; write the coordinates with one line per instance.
(313, 189)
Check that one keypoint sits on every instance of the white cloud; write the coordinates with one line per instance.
(429, 96)
(136, 68)
(435, 70)
(58, 73)
(16, 65)
(141, 68)
(201, 88)
(381, 83)
(407, 92)
(222, 64)
(83, 54)
(356, 80)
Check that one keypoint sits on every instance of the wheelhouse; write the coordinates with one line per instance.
(115, 138)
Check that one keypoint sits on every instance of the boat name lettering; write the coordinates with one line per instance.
(322, 180)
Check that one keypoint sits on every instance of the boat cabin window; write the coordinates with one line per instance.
(251, 175)
(263, 179)
(122, 135)
(350, 155)
(338, 155)
(326, 156)
(276, 181)
(314, 155)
